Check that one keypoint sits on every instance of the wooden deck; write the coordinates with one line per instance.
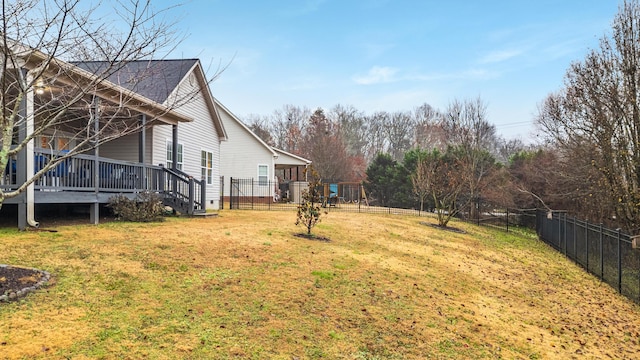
(92, 179)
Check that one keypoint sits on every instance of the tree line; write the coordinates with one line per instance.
(588, 162)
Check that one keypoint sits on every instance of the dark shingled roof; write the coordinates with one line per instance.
(153, 79)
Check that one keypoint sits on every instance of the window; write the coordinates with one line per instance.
(170, 155)
(206, 164)
(263, 175)
(53, 142)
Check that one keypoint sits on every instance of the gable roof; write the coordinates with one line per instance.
(286, 159)
(157, 80)
(70, 74)
(246, 128)
(153, 79)
(283, 159)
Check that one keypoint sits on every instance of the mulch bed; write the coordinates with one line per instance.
(446, 228)
(16, 282)
(312, 237)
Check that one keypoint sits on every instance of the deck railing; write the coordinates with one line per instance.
(85, 173)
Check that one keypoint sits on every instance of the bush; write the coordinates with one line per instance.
(309, 209)
(146, 207)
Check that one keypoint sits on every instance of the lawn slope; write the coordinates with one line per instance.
(242, 286)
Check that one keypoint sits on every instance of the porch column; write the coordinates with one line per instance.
(21, 168)
(142, 145)
(142, 139)
(174, 149)
(94, 208)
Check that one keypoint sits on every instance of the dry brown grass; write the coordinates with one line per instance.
(242, 286)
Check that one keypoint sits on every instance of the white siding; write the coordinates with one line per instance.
(242, 153)
(126, 148)
(195, 136)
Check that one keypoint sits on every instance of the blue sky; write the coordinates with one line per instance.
(391, 55)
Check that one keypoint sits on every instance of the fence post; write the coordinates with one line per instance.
(231, 193)
(566, 247)
(601, 255)
(221, 192)
(575, 247)
(619, 262)
(507, 219)
(253, 187)
(586, 240)
(272, 195)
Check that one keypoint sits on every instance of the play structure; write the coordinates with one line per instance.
(343, 193)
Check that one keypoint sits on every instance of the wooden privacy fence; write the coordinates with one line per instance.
(606, 253)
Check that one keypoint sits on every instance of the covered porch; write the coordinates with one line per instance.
(63, 116)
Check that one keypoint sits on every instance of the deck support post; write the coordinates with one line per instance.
(94, 213)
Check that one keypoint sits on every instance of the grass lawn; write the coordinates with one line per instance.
(242, 286)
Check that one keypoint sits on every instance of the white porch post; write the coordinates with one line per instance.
(26, 207)
(30, 119)
(94, 208)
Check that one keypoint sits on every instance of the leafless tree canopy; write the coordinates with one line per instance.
(596, 117)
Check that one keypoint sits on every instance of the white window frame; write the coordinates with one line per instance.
(206, 172)
(264, 182)
(169, 154)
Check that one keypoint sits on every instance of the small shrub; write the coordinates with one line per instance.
(309, 209)
(146, 207)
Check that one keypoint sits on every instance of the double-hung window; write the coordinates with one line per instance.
(263, 175)
(206, 166)
(170, 155)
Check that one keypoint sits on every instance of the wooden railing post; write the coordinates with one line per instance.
(203, 195)
(191, 196)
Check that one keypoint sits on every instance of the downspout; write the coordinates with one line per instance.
(30, 119)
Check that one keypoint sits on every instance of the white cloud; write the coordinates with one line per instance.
(500, 56)
(377, 75)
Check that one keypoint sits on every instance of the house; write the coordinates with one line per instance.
(172, 148)
(181, 84)
(259, 172)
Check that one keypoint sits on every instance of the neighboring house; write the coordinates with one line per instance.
(267, 172)
(177, 155)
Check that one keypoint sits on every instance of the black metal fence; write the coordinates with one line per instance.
(250, 194)
(609, 254)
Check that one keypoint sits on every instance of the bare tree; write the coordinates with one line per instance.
(420, 181)
(468, 130)
(442, 177)
(599, 109)
(288, 127)
(323, 145)
(352, 127)
(261, 127)
(375, 139)
(429, 132)
(398, 130)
